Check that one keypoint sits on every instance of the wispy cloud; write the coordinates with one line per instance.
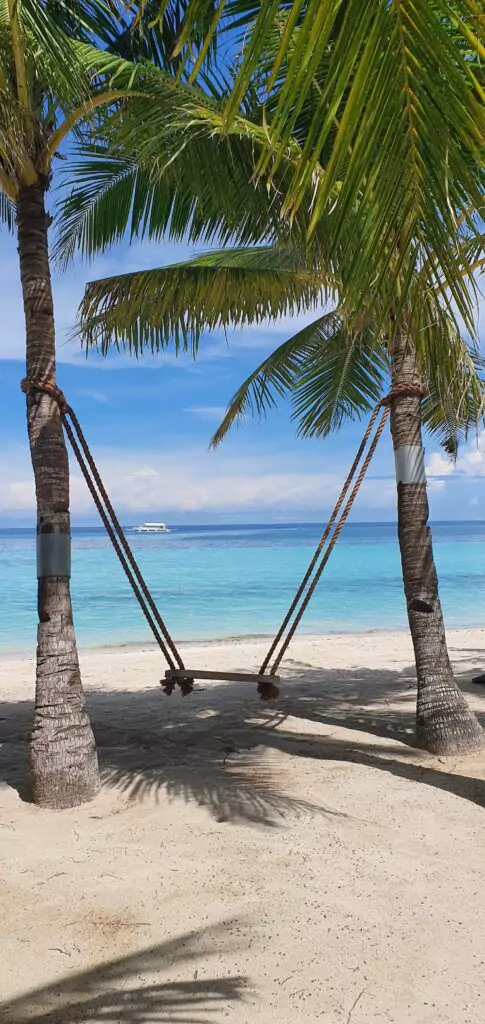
(194, 480)
(207, 412)
(439, 465)
(96, 396)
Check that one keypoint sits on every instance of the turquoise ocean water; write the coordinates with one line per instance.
(230, 581)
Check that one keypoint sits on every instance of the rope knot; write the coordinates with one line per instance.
(411, 390)
(268, 690)
(48, 387)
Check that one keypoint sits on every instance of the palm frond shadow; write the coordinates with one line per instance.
(244, 792)
(130, 990)
(224, 750)
(214, 761)
(230, 761)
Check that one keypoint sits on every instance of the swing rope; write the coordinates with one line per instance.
(313, 564)
(177, 674)
(317, 565)
(112, 525)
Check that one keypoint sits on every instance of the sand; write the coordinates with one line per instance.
(292, 862)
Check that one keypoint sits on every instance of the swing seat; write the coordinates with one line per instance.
(233, 677)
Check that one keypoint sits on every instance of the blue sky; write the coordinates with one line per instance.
(149, 425)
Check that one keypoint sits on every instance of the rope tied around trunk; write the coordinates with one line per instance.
(112, 524)
(49, 388)
(403, 390)
(266, 688)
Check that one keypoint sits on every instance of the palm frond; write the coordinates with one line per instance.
(397, 124)
(330, 374)
(7, 212)
(153, 34)
(454, 373)
(198, 179)
(343, 379)
(184, 182)
(51, 53)
(175, 304)
(202, 193)
(327, 373)
(100, 208)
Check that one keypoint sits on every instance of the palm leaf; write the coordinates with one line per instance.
(453, 371)
(220, 290)
(102, 206)
(397, 125)
(343, 379)
(51, 53)
(156, 168)
(330, 375)
(7, 212)
(201, 194)
(327, 373)
(276, 377)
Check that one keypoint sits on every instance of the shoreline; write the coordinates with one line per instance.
(251, 640)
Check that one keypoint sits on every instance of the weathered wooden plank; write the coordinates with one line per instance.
(234, 677)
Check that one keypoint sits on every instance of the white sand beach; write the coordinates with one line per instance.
(295, 862)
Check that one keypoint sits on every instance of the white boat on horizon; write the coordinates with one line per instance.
(151, 528)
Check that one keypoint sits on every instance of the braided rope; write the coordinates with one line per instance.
(114, 529)
(304, 595)
(333, 541)
(321, 544)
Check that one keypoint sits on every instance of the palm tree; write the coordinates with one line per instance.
(332, 376)
(370, 155)
(332, 372)
(55, 84)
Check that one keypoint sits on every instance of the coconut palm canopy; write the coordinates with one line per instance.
(65, 67)
(208, 182)
(385, 99)
(386, 195)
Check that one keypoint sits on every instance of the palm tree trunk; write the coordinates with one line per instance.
(444, 722)
(63, 754)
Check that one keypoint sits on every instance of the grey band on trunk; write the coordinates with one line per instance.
(410, 464)
(53, 554)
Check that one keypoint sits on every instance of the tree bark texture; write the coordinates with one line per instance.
(63, 755)
(444, 722)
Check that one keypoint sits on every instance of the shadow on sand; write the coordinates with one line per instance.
(208, 747)
(129, 990)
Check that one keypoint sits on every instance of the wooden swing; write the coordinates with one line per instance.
(177, 674)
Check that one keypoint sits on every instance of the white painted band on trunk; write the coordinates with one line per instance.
(53, 554)
(410, 464)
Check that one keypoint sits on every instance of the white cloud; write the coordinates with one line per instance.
(376, 493)
(18, 494)
(194, 480)
(96, 396)
(207, 412)
(470, 461)
(439, 465)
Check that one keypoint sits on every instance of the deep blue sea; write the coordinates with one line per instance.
(226, 581)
